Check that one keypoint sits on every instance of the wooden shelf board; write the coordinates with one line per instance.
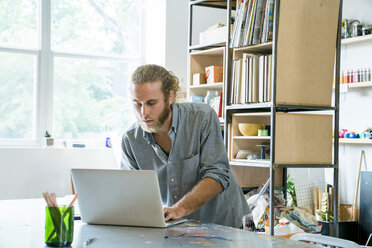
(213, 51)
(250, 163)
(206, 46)
(249, 106)
(355, 141)
(357, 40)
(252, 137)
(207, 86)
(251, 114)
(360, 85)
(213, 3)
(264, 47)
(356, 85)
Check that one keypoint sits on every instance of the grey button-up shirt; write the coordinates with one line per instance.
(197, 152)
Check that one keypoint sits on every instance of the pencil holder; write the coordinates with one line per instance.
(59, 225)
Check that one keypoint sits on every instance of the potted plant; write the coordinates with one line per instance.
(49, 140)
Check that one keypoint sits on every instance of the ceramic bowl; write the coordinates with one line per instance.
(250, 129)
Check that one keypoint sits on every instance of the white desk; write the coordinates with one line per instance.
(22, 225)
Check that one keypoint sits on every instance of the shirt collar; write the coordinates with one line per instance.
(174, 107)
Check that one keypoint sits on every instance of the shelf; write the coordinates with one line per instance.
(251, 114)
(250, 163)
(294, 108)
(217, 51)
(251, 137)
(220, 4)
(260, 48)
(215, 86)
(249, 106)
(356, 40)
(304, 166)
(355, 85)
(360, 85)
(201, 90)
(279, 107)
(207, 45)
(355, 141)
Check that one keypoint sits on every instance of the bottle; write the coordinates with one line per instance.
(365, 76)
(346, 27)
(108, 142)
(351, 76)
(211, 94)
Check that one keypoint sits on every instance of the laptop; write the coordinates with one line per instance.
(120, 197)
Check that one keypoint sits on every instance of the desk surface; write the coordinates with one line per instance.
(22, 225)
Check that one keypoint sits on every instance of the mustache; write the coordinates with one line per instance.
(146, 119)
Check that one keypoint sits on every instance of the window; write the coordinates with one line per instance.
(18, 28)
(65, 67)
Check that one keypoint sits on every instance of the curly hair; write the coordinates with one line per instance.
(151, 73)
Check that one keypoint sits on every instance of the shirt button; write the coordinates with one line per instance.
(175, 197)
(172, 180)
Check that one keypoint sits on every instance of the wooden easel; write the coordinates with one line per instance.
(355, 207)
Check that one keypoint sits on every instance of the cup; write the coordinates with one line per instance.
(59, 226)
(263, 132)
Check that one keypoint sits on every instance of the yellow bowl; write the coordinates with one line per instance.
(250, 129)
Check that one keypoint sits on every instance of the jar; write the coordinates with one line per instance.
(366, 30)
(211, 94)
(356, 28)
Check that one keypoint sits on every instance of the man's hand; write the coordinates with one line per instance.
(202, 193)
(173, 213)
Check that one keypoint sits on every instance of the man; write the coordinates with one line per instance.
(182, 142)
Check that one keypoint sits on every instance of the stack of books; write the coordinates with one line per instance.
(251, 79)
(253, 23)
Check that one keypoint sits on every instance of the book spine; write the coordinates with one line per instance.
(257, 22)
(271, 21)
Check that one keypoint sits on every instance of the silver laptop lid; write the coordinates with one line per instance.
(119, 197)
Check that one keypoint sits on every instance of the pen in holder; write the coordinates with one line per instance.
(59, 225)
(59, 221)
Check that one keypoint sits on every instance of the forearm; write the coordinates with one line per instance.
(202, 193)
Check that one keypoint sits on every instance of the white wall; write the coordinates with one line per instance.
(176, 42)
(154, 31)
(356, 104)
(27, 172)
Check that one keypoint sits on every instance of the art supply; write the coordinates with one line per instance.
(89, 241)
(355, 213)
(59, 225)
(59, 221)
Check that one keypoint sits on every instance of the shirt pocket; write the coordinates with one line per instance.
(190, 175)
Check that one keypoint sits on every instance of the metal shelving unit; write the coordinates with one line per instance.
(272, 107)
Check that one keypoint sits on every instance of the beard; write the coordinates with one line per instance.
(157, 124)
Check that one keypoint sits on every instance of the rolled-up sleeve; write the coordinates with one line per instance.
(213, 158)
(128, 161)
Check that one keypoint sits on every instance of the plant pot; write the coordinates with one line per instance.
(49, 141)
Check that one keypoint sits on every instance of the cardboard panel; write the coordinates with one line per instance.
(303, 139)
(307, 37)
(255, 176)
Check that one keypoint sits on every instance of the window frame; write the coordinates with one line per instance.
(44, 72)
